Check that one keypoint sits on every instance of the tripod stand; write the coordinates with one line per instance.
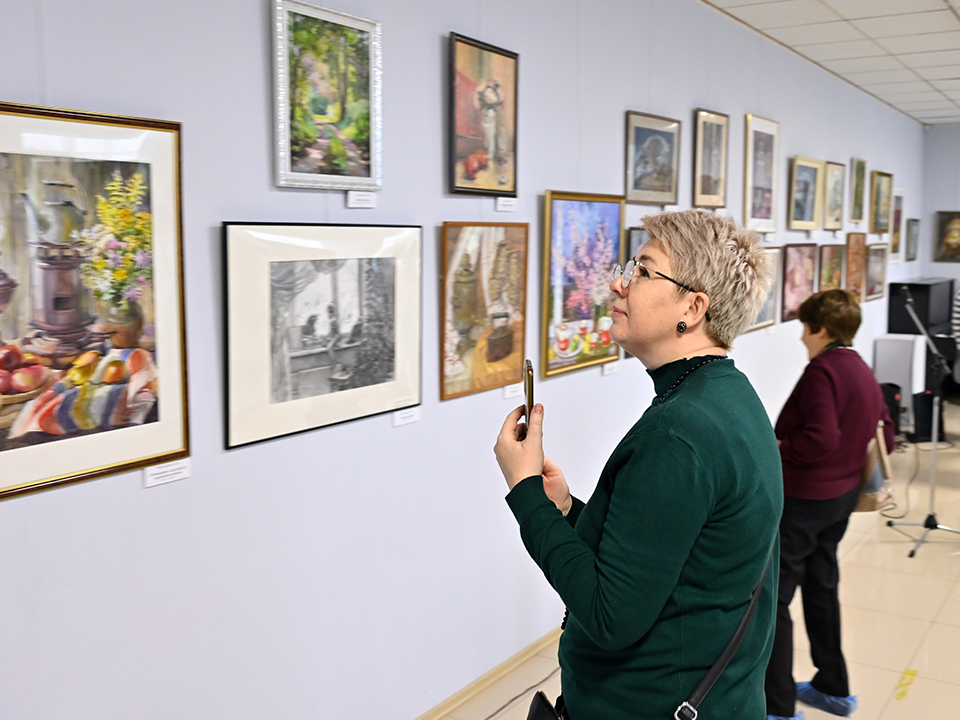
(940, 372)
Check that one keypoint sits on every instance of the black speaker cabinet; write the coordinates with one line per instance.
(932, 301)
(923, 418)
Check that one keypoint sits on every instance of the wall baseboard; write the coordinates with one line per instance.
(488, 679)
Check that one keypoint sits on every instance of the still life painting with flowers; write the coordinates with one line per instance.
(78, 327)
(583, 241)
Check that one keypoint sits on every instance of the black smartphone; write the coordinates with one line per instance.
(527, 391)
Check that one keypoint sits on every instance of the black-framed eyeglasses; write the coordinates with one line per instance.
(626, 272)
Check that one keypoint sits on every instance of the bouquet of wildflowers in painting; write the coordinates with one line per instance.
(588, 268)
(119, 265)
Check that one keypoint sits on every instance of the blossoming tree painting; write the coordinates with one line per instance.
(583, 242)
(78, 348)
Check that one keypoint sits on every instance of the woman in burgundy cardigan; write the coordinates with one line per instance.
(823, 431)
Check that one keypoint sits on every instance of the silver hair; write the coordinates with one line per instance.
(714, 255)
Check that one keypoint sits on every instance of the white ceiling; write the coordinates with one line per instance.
(904, 52)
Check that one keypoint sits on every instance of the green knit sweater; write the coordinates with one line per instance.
(658, 567)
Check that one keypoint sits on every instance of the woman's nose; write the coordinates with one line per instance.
(617, 287)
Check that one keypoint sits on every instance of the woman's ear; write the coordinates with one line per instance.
(697, 309)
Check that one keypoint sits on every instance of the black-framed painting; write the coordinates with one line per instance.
(323, 325)
(92, 341)
(482, 118)
(858, 185)
(710, 140)
(582, 242)
(876, 277)
(799, 278)
(856, 263)
(912, 238)
(946, 246)
(483, 311)
(805, 206)
(833, 185)
(881, 201)
(327, 98)
(760, 178)
(831, 267)
(768, 311)
(652, 159)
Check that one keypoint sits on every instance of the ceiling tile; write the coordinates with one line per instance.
(880, 76)
(885, 62)
(734, 3)
(913, 24)
(949, 120)
(952, 94)
(921, 43)
(842, 50)
(928, 105)
(875, 8)
(945, 72)
(947, 85)
(784, 14)
(897, 98)
(914, 85)
(816, 33)
(931, 59)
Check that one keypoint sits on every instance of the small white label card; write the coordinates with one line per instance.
(166, 473)
(512, 391)
(609, 368)
(361, 199)
(406, 416)
(506, 204)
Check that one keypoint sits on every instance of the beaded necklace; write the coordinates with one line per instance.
(705, 361)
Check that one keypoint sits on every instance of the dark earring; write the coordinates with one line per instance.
(681, 326)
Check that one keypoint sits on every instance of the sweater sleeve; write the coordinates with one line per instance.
(815, 404)
(659, 502)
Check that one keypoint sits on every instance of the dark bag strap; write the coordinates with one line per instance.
(688, 710)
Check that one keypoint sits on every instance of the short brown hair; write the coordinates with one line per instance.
(836, 310)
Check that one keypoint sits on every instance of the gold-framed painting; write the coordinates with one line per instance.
(799, 278)
(946, 246)
(760, 178)
(483, 311)
(583, 240)
(881, 201)
(711, 132)
(92, 342)
(833, 184)
(858, 186)
(856, 263)
(805, 209)
(831, 267)
(896, 224)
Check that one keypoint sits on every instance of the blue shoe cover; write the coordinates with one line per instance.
(809, 695)
(798, 716)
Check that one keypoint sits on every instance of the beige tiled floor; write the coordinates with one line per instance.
(901, 615)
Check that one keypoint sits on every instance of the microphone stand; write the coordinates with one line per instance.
(940, 370)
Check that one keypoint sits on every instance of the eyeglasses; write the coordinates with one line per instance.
(627, 271)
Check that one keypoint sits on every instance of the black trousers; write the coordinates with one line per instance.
(810, 531)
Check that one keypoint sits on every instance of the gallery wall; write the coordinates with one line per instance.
(941, 193)
(364, 570)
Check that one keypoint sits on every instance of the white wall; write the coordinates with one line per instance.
(346, 571)
(941, 192)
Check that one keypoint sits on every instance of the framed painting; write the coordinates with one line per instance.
(876, 271)
(768, 311)
(710, 159)
(806, 195)
(92, 342)
(831, 266)
(896, 228)
(482, 118)
(881, 201)
(799, 276)
(912, 239)
(323, 325)
(858, 185)
(327, 98)
(582, 242)
(833, 182)
(760, 179)
(856, 262)
(652, 159)
(482, 319)
(947, 243)
(636, 237)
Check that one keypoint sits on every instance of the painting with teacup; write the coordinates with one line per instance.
(583, 241)
(483, 318)
(89, 250)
